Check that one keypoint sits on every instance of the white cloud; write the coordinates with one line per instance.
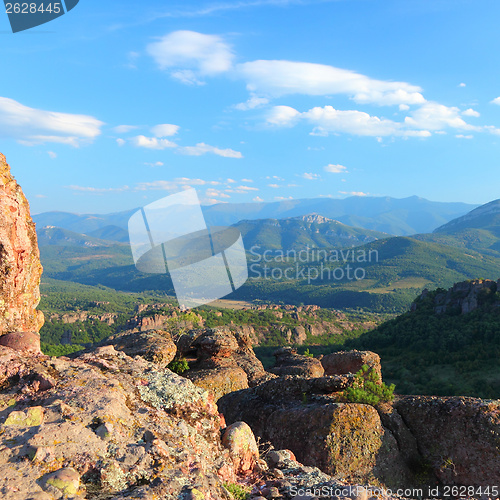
(141, 141)
(462, 85)
(252, 103)
(461, 136)
(435, 116)
(247, 188)
(155, 164)
(471, 112)
(40, 196)
(430, 117)
(274, 186)
(354, 193)
(257, 199)
(278, 78)
(496, 101)
(52, 154)
(189, 55)
(216, 193)
(212, 201)
(157, 185)
(276, 177)
(174, 185)
(202, 148)
(124, 129)
(246, 180)
(329, 119)
(282, 198)
(310, 176)
(283, 116)
(165, 130)
(404, 107)
(30, 126)
(95, 190)
(231, 181)
(335, 169)
(120, 142)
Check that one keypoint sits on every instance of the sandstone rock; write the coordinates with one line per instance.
(156, 346)
(20, 267)
(28, 418)
(225, 361)
(302, 415)
(457, 436)
(288, 362)
(22, 341)
(95, 418)
(238, 438)
(343, 362)
(219, 380)
(66, 480)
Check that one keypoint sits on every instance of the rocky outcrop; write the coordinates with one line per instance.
(20, 267)
(223, 362)
(70, 318)
(463, 297)
(304, 415)
(416, 439)
(107, 425)
(288, 362)
(342, 362)
(155, 346)
(458, 437)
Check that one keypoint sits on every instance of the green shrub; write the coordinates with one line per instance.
(178, 366)
(308, 354)
(368, 388)
(237, 491)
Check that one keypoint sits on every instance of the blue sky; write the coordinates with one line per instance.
(120, 103)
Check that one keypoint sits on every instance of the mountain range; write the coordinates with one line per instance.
(394, 216)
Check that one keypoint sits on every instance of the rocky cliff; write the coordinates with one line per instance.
(463, 297)
(20, 267)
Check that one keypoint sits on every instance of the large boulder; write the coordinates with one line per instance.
(304, 415)
(343, 362)
(288, 362)
(221, 360)
(20, 267)
(458, 437)
(156, 346)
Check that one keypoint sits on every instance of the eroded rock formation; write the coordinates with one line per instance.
(20, 267)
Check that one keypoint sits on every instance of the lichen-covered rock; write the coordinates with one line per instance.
(66, 481)
(219, 380)
(343, 362)
(28, 418)
(458, 437)
(156, 346)
(20, 267)
(238, 438)
(303, 415)
(127, 427)
(217, 347)
(288, 362)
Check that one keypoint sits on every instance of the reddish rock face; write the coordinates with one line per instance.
(20, 267)
(343, 362)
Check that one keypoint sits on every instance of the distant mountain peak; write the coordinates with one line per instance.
(314, 218)
(474, 216)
